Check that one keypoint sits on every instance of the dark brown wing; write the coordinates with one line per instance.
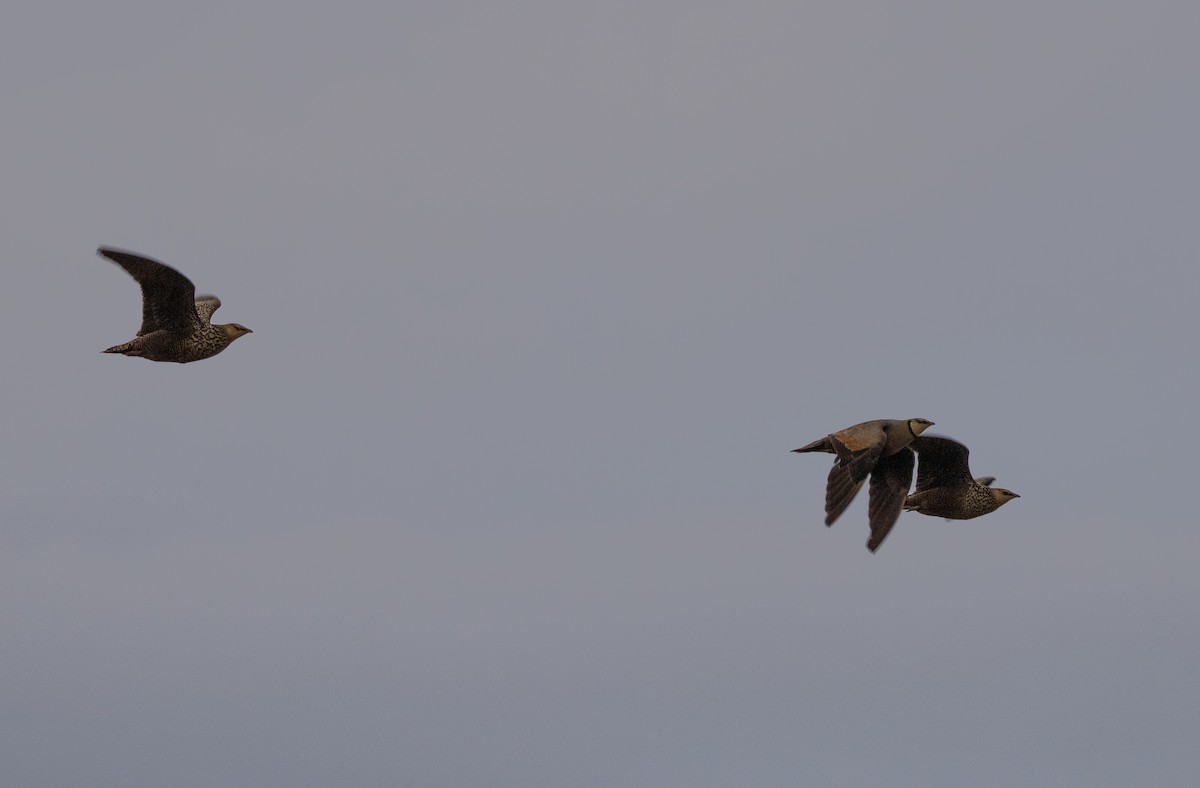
(943, 462)
(168, 297)
(839, 492)
(889, 487)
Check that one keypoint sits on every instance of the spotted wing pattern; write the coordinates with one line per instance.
(205, 306)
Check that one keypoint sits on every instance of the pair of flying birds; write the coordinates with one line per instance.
(176, 326)
(884, 450)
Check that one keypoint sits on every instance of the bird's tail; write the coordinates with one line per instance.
(822, 444)
(125, 348)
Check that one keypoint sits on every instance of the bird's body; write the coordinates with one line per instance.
(207, 340)
(945, 487)
(879, 449)
(175, 323)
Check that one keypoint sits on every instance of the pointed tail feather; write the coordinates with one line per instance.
(822, 444)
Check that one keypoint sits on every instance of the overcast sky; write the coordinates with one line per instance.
(499, 492)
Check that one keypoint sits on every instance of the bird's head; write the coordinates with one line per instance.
(235, 330)
(1002, 496)
(917, 426)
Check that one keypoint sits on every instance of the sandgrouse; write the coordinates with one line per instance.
(175, 323)
(879, 449)
(944, 484)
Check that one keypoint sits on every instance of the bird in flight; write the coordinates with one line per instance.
(879, 449)
(945, 487)
(175, 322)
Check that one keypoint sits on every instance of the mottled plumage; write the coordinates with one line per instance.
(944, 484)
(878, 449)
(175, 323)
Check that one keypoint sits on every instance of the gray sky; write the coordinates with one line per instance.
(499, 493)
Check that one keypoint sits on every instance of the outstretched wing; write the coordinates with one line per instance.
(943, 462)
(889, 487)
(858, 448)
(168, 297)
(840, 490)
(205, 306)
